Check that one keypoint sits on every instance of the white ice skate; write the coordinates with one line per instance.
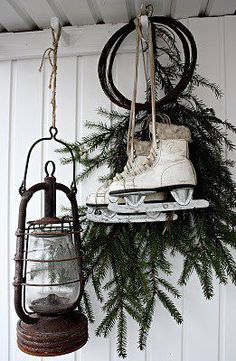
(167, 168)
(97, 203)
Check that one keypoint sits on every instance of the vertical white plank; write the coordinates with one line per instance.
(201, 317)
(66, 118)
(124, 71)
(230, 85)
(5, 135)
(125, 76)
(65, 121)
(26, 127)
(66, 125)
(164, 327)
(223, 115)
(89, 98)
(206, 33)
(230, 78)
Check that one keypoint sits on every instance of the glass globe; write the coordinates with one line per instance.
(52, 272)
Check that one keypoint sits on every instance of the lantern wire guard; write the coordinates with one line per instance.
(49, 279)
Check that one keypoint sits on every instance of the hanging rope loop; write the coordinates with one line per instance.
(51, 53)
(143, 24)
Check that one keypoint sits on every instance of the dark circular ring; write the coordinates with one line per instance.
(146, 105)
(114, 43)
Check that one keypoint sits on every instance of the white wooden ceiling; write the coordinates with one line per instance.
(27, 15)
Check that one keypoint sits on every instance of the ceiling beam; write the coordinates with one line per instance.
(41, 12)
(206, 7)
(13, 18)
(113, 11)
(78, 12)
(95, 11)
(131, 10)
(220, 7)
(167, 7)
(185, 8)
(84, 40)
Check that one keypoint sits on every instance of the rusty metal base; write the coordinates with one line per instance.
(53, 336)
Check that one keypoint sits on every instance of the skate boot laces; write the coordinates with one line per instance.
(149, 161)
(127, 169)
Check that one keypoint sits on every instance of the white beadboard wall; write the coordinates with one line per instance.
(209, 328)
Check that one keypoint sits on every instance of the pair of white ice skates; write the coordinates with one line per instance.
(158, 180)
(159, 177)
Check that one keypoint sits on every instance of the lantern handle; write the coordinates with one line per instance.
(53, 135)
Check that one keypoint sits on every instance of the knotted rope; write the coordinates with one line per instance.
(140, 38)
(51, 53)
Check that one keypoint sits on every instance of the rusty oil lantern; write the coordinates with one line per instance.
(49, 280)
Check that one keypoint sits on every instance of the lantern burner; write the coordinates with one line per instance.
(46, 304)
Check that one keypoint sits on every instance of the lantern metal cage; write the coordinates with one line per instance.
(49, 278)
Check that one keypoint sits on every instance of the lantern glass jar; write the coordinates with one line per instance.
(52, 271)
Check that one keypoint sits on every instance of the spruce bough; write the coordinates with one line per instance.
(130, 263)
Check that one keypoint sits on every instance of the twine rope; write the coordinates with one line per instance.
(51, 53)
(153, 85)
(148, 45)
(131, 128)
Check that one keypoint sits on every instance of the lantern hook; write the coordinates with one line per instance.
(53, 168)
(53, 133)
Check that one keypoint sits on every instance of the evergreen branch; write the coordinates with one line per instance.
(169, 287)
(135, 255)
(88, 307)
(170, 306)
(122, 334)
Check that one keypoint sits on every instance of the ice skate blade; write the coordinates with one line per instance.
(130, 199)
(158, 207)
(103, 215)
(182, 195)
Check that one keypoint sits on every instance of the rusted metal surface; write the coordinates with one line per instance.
(53, 136)
(45, 220)
(47, 260)
(53, 336)
(50, 197)
(58, 332)
(20, 246)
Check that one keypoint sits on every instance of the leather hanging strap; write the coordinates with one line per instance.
(152, 83)
(130, 141)
(151, 61)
